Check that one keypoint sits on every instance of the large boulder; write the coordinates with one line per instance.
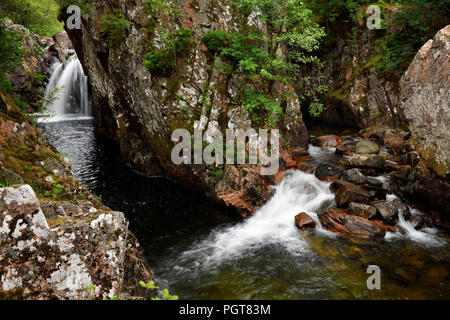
(340, 221)
(59, 257)
(425, 96)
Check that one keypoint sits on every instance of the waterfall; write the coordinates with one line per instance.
(273, 224)
(66, 94)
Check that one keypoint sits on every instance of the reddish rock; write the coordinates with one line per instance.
(328, 172)
(304, 221)
(349, 192)
(340, 221)
(329, 141)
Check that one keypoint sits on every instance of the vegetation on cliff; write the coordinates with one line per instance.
(39, 16)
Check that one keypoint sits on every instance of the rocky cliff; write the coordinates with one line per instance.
(141, 109)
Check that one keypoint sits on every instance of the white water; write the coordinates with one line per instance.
(425, 236)
(67, 92)
(273, 224)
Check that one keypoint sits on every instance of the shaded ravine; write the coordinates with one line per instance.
(199, 252)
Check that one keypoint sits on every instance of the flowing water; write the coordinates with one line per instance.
(199, 251)
(66, 94)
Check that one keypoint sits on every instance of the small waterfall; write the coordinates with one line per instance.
(67, 93)
(273, 224)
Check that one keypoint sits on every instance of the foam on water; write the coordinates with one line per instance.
(273, 224)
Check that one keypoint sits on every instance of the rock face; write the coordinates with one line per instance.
(61, 259)
(425, 94)
(141, 110)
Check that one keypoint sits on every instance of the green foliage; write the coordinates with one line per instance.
(292, 38)
(11, 50)
(416, 22)
(55, 191)
(216, 40)
(165, 294)
(39, 16)
(114, 27)
(162, 62)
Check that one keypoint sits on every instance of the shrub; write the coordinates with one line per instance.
(216, 40)
(114, 27)
(162, 62)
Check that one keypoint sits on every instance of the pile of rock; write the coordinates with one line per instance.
(362, 209)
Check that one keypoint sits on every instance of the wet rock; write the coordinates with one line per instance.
(304, 221)
(340, 221)
(362, 210)
(374, 182)
(346, 148)
(328, 172)
(388, 211)
(417, 221)
(328, 141)
(367, 147)
(350, 192)
(402, 208)
(375, 161)
(354, 176)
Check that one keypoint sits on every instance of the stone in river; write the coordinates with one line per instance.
(388, 211)
(328, 172)
(354, 176)
(304, 221)
(340, 221)
(362, 210)
(349, 192)
(366, 146)
(370, 161)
